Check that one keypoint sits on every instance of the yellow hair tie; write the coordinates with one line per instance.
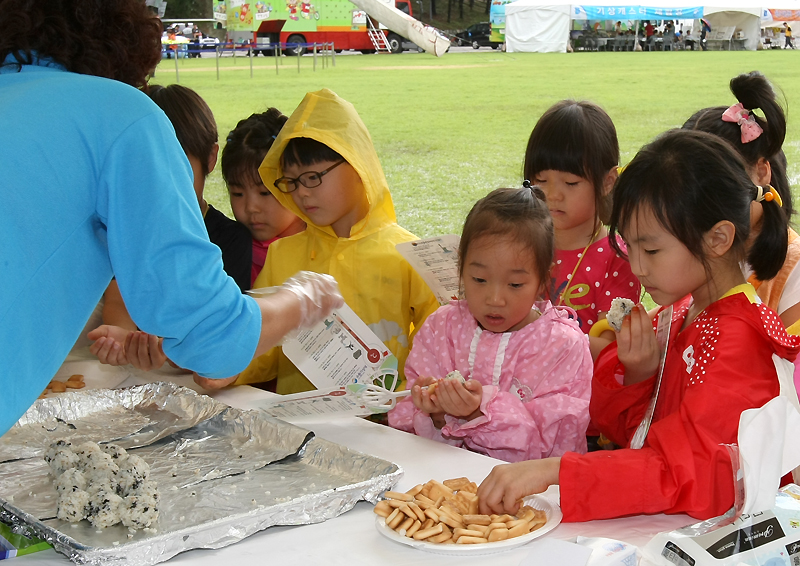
(770, 195)
(599, 327)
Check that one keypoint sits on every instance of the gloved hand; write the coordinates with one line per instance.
(318, 295)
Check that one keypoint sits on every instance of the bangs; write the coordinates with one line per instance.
(561, 148)
(306, 151)
(241, 168)
(648, 184)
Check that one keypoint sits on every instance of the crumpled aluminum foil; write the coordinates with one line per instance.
(223, 473)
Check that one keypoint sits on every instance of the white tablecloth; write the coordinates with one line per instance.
(352, 539)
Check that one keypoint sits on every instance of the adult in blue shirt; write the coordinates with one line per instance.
(94, 185)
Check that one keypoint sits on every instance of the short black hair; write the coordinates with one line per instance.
(307, 151)
(248, 144)
(577, 137)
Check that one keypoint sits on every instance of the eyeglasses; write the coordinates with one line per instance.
(309, 179)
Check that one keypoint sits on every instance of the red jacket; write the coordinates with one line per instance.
(716, 368)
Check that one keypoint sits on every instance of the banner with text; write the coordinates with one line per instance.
(634, 13)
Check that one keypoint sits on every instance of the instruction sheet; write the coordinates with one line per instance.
(436, 261)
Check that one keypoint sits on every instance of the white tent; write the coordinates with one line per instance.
(741, 14)
(538, 26)
(543, 26)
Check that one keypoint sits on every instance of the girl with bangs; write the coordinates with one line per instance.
(572, 155)
(526, 362)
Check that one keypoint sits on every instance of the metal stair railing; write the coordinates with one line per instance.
(378, 38)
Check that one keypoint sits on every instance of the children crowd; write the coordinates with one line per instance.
(699, 219)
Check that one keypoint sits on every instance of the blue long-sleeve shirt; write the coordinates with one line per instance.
(94, 184)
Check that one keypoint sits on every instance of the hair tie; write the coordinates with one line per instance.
(769, 195)
(526, 184)
(747, 121)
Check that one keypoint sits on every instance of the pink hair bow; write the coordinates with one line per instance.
(747, 122)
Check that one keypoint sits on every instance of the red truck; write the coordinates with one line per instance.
(300, 22)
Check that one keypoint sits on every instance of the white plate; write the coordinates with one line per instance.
(536, 501)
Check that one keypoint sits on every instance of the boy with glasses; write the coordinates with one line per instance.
(324, 168)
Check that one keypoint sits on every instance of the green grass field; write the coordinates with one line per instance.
(448, 130)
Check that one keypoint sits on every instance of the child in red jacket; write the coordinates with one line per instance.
(683, 208)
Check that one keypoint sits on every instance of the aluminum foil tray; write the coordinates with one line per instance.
(223, 473)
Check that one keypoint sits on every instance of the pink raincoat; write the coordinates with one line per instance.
(536, 383)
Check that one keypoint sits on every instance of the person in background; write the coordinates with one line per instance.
(172, 47)
(787, 33)
(704, 29)
(759, 140)
(252, 203)
(96, 186)
(324, 168)
(683, 207)
(527, 363)
(689, 40)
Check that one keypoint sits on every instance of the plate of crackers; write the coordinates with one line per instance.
(443, 518)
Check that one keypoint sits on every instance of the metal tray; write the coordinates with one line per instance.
(223, 473)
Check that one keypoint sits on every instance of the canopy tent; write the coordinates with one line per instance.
(543, 25)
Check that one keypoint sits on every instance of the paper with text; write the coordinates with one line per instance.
(436, 261)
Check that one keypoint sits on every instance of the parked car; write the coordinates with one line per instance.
(205, 43)
(477, 35)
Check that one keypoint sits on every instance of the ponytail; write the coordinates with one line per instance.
(754, 92)
(768, 252)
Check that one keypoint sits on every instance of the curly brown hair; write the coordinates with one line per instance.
(115, 39)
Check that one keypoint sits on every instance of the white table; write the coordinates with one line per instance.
(352, 539)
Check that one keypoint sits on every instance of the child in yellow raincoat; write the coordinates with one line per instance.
(324, 168)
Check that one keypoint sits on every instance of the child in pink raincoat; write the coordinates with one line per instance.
(527, 363)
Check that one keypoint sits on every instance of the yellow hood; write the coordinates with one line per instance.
(328, 119)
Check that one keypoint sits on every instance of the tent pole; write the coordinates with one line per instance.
(635, 34)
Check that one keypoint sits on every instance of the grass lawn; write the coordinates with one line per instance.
(448, 130)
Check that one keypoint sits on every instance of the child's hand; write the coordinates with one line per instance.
(637, 347)
(503, 488)
(144, 351)
(109, 344)
(461, 400)
(422, 399)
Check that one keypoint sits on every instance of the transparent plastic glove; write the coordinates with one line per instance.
(318, 295)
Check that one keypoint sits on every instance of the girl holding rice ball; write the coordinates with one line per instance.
(527, 363)
(683, 208)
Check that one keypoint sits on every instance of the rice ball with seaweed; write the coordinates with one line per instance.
(141, 511)
(133, 472)
(72, 505)
(149, 488)
(117, 452)
(71, 480)
(105, 508)
(62, 460)
(620, 308)
(89, 453)
(455, 374)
